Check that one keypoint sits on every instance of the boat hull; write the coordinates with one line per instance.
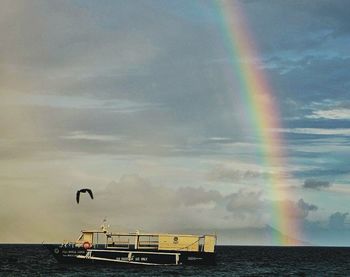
(101, 254)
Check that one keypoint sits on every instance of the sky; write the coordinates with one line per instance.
(133, 99)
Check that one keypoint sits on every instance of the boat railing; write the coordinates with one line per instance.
(117, 241)
(147, 242)
(132, 241)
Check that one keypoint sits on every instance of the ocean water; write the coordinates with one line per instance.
(35, 260)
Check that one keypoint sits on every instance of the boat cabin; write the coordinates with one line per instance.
(146, 241)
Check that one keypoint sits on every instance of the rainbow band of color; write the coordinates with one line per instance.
(257, 96)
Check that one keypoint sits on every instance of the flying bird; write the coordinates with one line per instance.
(83, 191)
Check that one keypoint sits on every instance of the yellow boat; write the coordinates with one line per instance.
(103, 246)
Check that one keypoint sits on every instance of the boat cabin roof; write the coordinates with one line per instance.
(139, 233)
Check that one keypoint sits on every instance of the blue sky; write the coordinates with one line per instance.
(132, 99)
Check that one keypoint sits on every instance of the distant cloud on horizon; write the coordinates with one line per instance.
(316, 184)
(337, 221)
(228, 174)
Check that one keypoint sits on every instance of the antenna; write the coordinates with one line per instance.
(104, 225)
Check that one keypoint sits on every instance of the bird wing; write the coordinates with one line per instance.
(90, 192)
(77, 196)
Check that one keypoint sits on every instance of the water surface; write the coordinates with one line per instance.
(35, 260)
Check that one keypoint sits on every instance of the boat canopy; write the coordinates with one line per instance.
(147, 241)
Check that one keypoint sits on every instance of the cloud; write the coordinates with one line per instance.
(316, 184)
(330, 62)
(133, 202)
(337, 220)
(297, 210)
(79, 135)
(330, 109)
(244, 202)
(129, 203)
(339, 113)
(224, 173)
(247, 207)
(87, 89)
(184, 206)
(77, 102)
(302, 205)
(194, 196)
(87, 74)
(318, 131)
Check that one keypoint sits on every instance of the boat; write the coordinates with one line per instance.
(103, 246)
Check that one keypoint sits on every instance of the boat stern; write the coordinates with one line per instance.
(65, 253)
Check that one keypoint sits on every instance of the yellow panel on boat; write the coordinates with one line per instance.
(178, 242)
(209, 243)
(87, 237)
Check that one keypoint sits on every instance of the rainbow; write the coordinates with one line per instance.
(258, 98)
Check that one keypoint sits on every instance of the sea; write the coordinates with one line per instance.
(35, 260)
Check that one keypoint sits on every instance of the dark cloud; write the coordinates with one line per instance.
(305, 207)
(337, 220)
(316, 184)
(298, 210)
